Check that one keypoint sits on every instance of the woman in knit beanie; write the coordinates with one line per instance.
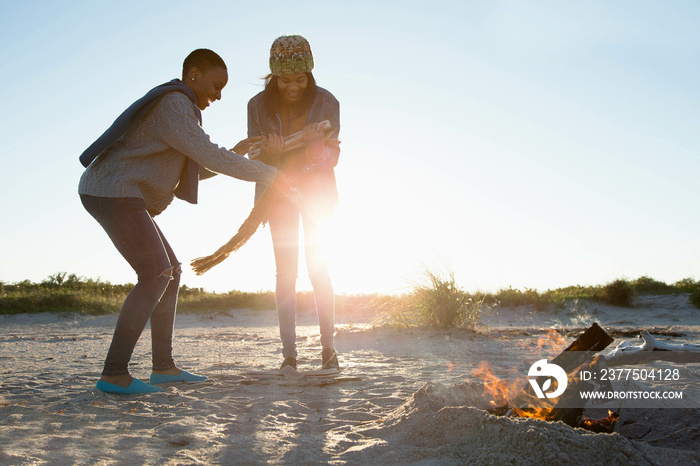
(292, 102)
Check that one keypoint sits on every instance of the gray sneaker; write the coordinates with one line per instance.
(289, 361)
(330, 359)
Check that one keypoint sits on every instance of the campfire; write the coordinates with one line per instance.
(521, 399)
(605, 425)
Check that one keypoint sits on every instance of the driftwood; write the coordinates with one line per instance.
(261, 208)
(247, 229)
(291, 142)
(652, 350)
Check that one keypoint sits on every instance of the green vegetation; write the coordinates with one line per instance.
(619, 292)
(440, 303)
(436, 302)
(62, 293)
(69, 293)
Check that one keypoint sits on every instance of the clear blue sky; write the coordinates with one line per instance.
(527, 144)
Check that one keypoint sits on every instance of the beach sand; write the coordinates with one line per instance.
(403, 397)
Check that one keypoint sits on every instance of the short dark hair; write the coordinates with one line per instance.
(273, 99)
(204, 59)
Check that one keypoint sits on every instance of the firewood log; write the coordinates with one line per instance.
(580, 352)
(291, 142)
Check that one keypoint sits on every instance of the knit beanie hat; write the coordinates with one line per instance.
(290, 55)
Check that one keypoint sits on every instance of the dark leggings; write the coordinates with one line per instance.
(139, 240)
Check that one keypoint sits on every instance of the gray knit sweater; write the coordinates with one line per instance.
(148, 161)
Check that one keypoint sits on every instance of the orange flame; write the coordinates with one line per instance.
(499, 391)
(600, 425)
(533, 412)
(553, 340)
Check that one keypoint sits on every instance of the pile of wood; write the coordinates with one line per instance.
(582, 355)
(291, 142)
(577, 355)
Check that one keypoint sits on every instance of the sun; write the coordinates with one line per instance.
(364, 242)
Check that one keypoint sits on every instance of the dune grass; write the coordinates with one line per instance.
(439, 303)
(435, 301)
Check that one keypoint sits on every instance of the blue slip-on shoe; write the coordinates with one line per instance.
(183, 376)
(136, 387)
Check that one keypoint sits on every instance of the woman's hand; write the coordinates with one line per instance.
(271, 149)
(314, 138)
(243, 146)
(272, 144)
(285, 186)
(281, 184)
(312, 134)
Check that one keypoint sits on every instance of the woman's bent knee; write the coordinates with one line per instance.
(158, 283)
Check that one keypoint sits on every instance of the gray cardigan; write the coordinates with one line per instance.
(148, 161)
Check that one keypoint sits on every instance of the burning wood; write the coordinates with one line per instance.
(600, 426)
(570, 360)
(543, 399)
(584, 347)
(496, 390)
(527, 403)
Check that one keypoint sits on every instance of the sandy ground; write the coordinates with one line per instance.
(403, 397)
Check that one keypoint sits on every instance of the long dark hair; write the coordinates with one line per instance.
(273, 99)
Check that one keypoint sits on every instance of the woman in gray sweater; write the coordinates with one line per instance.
(154, 151)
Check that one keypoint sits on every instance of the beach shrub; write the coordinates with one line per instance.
(617, 293)
(436, 302)
(540, 301)
(560, 296)
(442, 303)
(695, 299)
(63, 292)
(687, 285)
(59, 301)
(647, 285)
(515, 298)
(198, 300)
